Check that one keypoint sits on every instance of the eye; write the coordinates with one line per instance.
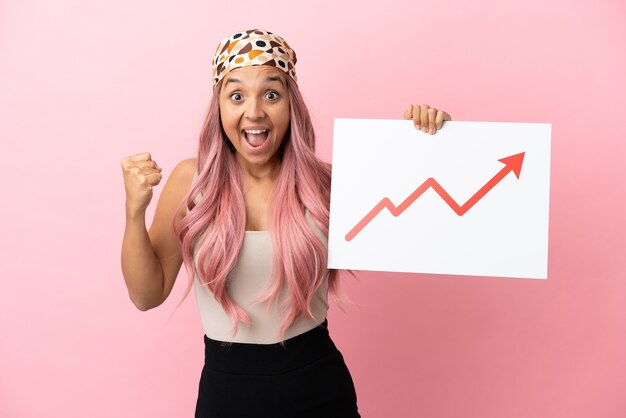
(232, 96)
(273, 95)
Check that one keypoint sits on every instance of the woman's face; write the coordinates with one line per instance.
(254, 110)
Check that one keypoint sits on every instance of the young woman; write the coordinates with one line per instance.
(249, 218)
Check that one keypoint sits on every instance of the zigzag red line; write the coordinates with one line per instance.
(460, 210)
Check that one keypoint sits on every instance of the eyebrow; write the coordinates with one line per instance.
(267, 79)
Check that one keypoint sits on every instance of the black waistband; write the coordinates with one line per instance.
(250, 358)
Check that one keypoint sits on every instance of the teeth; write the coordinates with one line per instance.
(254, 131)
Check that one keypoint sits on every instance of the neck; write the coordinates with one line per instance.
(260, 172)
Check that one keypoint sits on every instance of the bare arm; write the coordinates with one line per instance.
(151, 260)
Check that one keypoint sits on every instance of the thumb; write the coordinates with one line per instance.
(408, 114)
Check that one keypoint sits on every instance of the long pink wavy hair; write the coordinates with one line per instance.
(216, 225)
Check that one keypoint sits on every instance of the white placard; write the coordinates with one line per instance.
(459, 205)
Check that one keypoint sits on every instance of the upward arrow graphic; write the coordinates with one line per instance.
(512, 163)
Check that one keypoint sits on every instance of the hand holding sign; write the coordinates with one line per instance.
(426, 118)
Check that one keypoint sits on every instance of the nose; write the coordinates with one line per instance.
(254, 109)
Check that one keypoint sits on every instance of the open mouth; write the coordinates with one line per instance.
(256, 138)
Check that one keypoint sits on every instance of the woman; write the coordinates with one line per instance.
(254, 207)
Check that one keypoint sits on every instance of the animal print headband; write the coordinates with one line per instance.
(253, 47)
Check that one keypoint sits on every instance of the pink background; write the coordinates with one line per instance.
(85, 83)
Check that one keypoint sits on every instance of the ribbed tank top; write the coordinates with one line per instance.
(250, 278)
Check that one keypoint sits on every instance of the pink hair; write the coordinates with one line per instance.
(216, 225)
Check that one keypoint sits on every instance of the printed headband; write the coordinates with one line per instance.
(253, 47)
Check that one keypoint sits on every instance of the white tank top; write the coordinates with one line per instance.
(249, 279)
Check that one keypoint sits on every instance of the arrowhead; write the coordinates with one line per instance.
(514, 163)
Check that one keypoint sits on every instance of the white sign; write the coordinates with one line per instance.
(470, 200)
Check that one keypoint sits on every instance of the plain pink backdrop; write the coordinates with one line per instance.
(85, 83)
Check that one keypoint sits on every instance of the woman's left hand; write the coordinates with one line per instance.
(426, 118)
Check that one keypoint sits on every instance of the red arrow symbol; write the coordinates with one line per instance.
(512, 163)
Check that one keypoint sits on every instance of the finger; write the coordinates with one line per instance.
(143, 156)
(432, 114)
(129, 162)
(416, 115)
(446, 116)
(408, 114)
(142, 171)
(424, 117)
(144, 167)
(147, 164)
(439, 119)
(147, 170)
(152, 180)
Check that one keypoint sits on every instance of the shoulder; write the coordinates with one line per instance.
(187, 167)
(183, 173)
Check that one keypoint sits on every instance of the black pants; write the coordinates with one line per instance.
(306, 378)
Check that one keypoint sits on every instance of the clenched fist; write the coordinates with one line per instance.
(140, 174)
